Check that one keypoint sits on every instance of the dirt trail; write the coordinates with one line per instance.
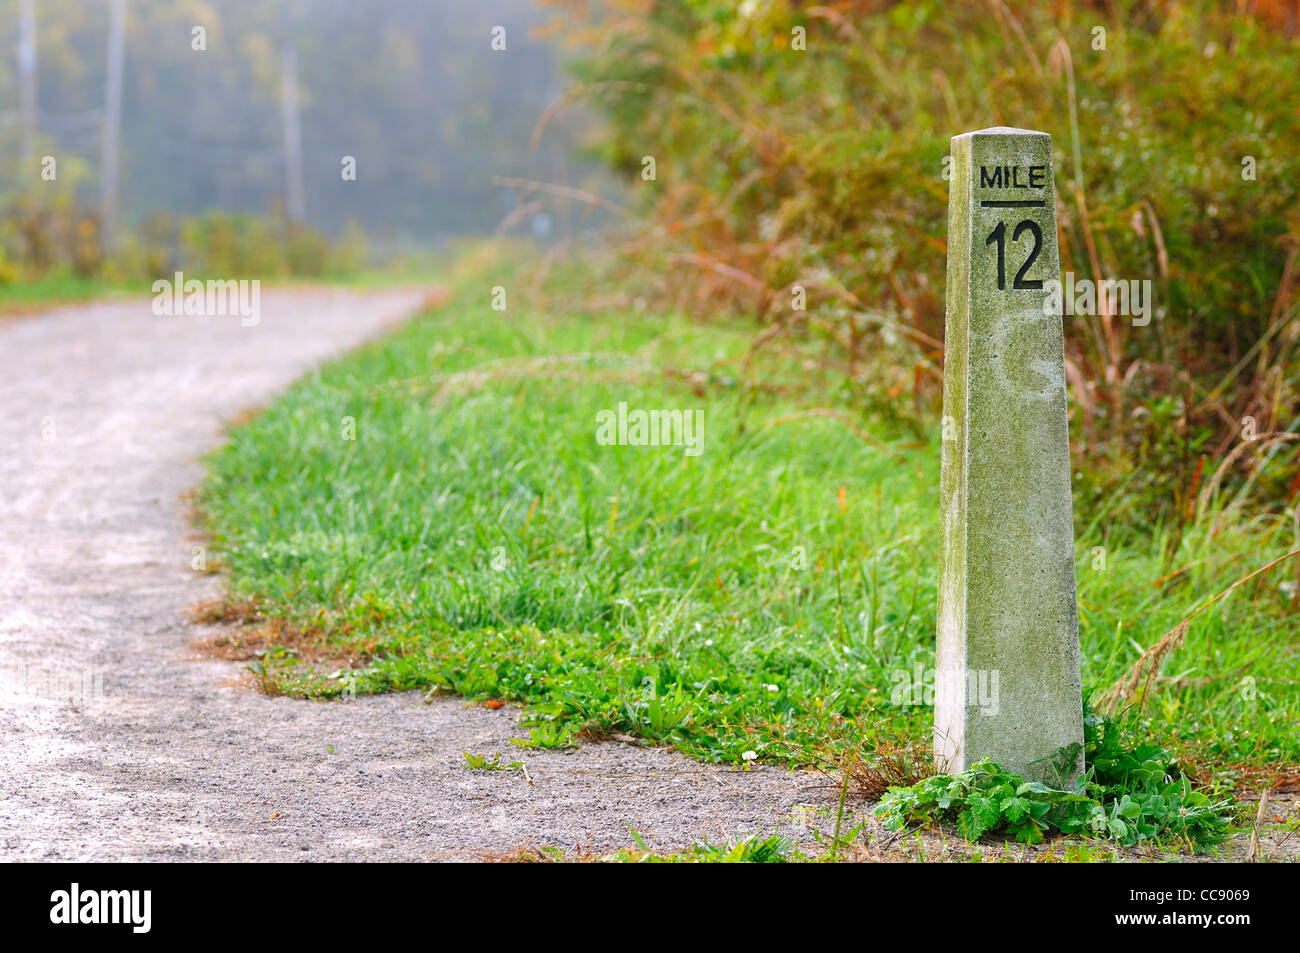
(117, 742)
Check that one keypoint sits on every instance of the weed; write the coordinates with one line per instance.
(480, 762)
(1129, 794)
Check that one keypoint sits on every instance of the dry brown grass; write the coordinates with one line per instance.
(1136, 683)
(889, 765)
(245, 416)
(245, 635)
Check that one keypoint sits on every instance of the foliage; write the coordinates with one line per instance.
(219, 243)
(823, 168)
(1131, 792)
(43, 240)
(755, 849)
(48, 234)
(480, 762)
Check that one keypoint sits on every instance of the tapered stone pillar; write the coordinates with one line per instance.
(1007, 685)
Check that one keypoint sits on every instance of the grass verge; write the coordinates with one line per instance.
(437, 509)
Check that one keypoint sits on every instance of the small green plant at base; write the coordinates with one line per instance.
(755, 849)
(480, 762)
(1127, 795)
(547, 735)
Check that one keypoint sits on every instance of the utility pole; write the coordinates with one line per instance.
(112, 123)
(27, 76)
(292, 137)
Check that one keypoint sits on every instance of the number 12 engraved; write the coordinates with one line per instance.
(999, 235)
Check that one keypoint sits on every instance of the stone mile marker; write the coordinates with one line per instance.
(1007, 685)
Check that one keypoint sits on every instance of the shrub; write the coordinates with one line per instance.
(1130, 793)
(824, 168)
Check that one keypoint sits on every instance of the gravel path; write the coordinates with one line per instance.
(118, 742)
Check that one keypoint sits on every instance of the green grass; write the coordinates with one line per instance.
(475, 538)
(60, 287)
(756, 849)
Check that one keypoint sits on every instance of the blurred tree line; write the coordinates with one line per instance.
(800, 148)
(412, 90)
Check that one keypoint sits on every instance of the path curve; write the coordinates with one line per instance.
(118, 742)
